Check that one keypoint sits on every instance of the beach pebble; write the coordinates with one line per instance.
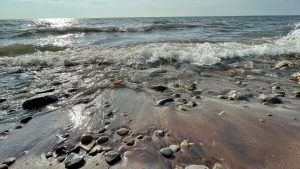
(218, 166)
(166, 152)
(122, 131)
(174, 148)
(196, 167)
(101, 130)
(49, 154)
(163, 102)
(296, 94)
(61, 151)
(112, 157)
(147, 138)
(296, 76)
(26, 119)
(159, 133)
(102, 139)
(106, 148)
(3, 166)
(97, 149)
(176, 95)
(273, 100)
(185, 143)
(261, 120)
(9, 161)
(130, 142)
(2, 100)
(140, 137)
(73, 160)
(183, 108)
(276, 88)
(38, 102)
(269, 114)
(61, 158)
(191, 87)
(159, 88)
(222, 97)
(86, 139)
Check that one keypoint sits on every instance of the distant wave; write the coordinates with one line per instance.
(21, 49)
(108, 29)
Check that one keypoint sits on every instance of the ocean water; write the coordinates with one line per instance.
(195, 40)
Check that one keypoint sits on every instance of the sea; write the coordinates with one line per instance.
(194, 40)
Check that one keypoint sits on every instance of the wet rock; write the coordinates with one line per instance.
(101, 130)
(97, 149)
(112, 157)
(166, 152)
(107, 149)
(196, 167)
(2, 100)
(284, 63)
(73, 161)
(3, 166)
(222, 97)
(218, 166)
(176, 95)
(130, 142)
(140, 137)
(174, 148)
(72, 90)
(61, 158)
(86, 139)
(159, 88)
(102, 139)
(38, 102)
(45, 91)
(159, 133)
(122, 131)
(9, 161)
(18, 127)
(61, 151)
(272, 100)
(49, 154)
(56, 83)
(108, 114)
(163, 102)
(26, 120)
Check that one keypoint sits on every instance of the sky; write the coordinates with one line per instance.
(11, 9)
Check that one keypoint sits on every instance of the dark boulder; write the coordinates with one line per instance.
(38, 102)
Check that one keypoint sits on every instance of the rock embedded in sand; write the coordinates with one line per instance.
(101, 130)
(273, 100)
(163, 102)
(296, 76)
(106, 148)
(102, 139)
(97, 149)
(159, 133)
(38, 102)
(61, 151)
(122, 131)
(196, 167)
(174, 148)
(218, 166)
(176, 95)
(49, 154)
(26, 120)
(86, 139)
(61, 158)
(112, 157)
(130, 142)
(185, 144)
(73, 160)
(9, 161)
(166, 152)
(159, 88)
(139, 137)
(191, 87)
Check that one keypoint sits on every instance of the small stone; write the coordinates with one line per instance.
(183, 108)
(174, 148)
(269, 114)
(19, 127)
(122, 131)
(166, 152)
(9, 161)
(61, 158)
(159, 88)
(3, 166)
(102, 139)
(218, 166)
(276, 88)
(147, 139)
(284, 63)
(262, 120)
(130, 142)
(189, 104)
(196, 167)
(73, 160)
(185, 143)
(107, 148)
(49, 154)
(86, 139)
(26, 120)
(176, 95)
(2, 100)
(61, 151)
(101, 130)
(159, 133)
(140, 137)
(296, 76)
(191, 87)
(273, 100)
(112, 157)
(222, 113)
(127, 153)
(163, 102)
(222, 97)
(97, 149)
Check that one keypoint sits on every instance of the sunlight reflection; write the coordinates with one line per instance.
(77, 116)
(57, 22)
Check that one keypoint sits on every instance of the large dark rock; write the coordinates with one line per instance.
(38, 102)
(26, 120)
(2, 100)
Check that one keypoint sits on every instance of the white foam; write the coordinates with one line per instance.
(194, 53)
